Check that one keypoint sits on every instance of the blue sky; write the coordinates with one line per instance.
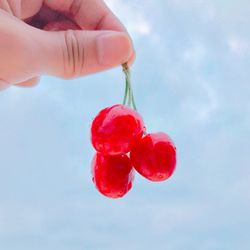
(191, 79)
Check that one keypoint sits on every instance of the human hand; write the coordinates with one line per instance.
(64, 38)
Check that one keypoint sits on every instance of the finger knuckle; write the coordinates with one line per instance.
(73, 54)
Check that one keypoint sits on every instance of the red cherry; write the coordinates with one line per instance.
(115, 130)
(112, 175)
(154, 156)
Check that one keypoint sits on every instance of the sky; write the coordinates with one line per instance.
(191, 80)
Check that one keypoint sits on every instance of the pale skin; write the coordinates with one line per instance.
(34, 42)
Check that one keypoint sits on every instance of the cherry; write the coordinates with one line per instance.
(117, 133)
(154, 156)
(115, 130)
(112, 175)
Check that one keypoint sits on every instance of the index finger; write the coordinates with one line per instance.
(88, 14)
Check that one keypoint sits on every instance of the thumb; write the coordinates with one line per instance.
(74, 53)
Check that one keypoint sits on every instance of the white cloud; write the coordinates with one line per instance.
(141, 28)
(195, 54)
(239, 46)
(134, 19)
(206, 110)
(205, 8)
(203, 107)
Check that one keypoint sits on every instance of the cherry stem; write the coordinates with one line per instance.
(128, 95)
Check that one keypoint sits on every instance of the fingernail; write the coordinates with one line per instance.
(113, 48)
(4, 85)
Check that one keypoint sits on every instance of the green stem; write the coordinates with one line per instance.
(133, 102)
(128, 96)
(125, 94)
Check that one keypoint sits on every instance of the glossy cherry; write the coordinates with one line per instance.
(112, 175)
(115, 130)
(154, 156)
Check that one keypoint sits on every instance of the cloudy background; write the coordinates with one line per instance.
(191, 80)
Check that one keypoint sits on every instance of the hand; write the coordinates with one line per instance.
(64, 38)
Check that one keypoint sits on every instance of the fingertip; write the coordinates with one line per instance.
(132, 59)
